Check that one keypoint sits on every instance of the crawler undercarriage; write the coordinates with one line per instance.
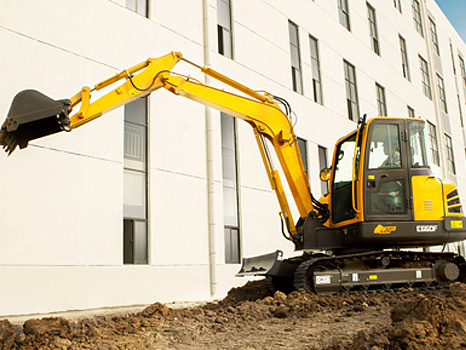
(367, 272)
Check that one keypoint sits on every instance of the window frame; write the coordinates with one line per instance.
(296, 71)
(404, 58)
(136, 165)
(351, 91)
(433, 36)
(442, 94)
(462, 69)
(315, 70)
(417, 17)
(343, 14)
(381, 100)
(373, 32)
(144, 13)
(451, 167)
(224, 30)
(232, 231)
(433, 142)
(425, 77)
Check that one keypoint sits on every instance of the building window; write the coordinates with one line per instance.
(397, 4)
(315, 68)
(302, 145)
(373, 29)
(432, 135)
(404, 58)
(323, 164)
(295, 58)
(452, 59)
(433, 36)
(138, 6)
(417, 17)
(425, 77)
(450, 157)
(224, 33)
(462, 70)
(411, 112)
(343, 11)
(230, 190)
(135, 184)
(460, 110)
(441, 94)
(352, 102)
(381, 104)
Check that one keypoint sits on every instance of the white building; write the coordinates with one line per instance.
(89, 220)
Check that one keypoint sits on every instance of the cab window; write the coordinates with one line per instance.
(384, 149)
(342, 208)
(417, 144)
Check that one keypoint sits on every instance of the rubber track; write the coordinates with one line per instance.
(401, 257)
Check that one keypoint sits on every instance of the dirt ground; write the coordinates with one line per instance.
(251, 318)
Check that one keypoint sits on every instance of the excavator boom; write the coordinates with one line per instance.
(34, 115)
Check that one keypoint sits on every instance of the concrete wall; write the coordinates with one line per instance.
(61, 213)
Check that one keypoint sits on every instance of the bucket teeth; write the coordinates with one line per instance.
(9, 141)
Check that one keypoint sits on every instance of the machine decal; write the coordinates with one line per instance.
(426, 228)
(456, 224)
(384, 230)
(327, 279)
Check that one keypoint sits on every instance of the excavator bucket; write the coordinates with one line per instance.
(33, 115)
(262, 265)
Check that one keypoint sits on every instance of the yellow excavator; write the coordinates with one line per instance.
(383, 197)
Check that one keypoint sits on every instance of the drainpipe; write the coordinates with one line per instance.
(210, 151)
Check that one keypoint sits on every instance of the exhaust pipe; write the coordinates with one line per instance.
(33, 115)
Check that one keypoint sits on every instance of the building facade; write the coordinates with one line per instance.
(160, 200)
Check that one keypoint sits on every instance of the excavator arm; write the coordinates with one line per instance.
(31, 111)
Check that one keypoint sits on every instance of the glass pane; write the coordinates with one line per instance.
(134, 194)
(302, 145)
(223, 14)
(389, 199)
(314, 48)
(417, 144)
(232, 248)
(227, 51)
(295, 57)
(135, 147)
(131, 4)
(230, 207)
(344, 163)
(384, 147)
(136, 111)
(297, 86)
(140, 242)
(293, 34)
(142, 7)
(127, 241)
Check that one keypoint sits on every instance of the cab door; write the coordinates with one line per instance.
(386, 172)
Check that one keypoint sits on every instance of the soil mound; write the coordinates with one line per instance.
(250, 317)
(434, 320)
(253, 290)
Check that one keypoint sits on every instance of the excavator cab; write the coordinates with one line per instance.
(383, 192)
(33, 115)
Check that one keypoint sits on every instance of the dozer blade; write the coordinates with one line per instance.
(267, 264)
(33, 115)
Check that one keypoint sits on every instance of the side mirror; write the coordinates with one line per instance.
(325, 174)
